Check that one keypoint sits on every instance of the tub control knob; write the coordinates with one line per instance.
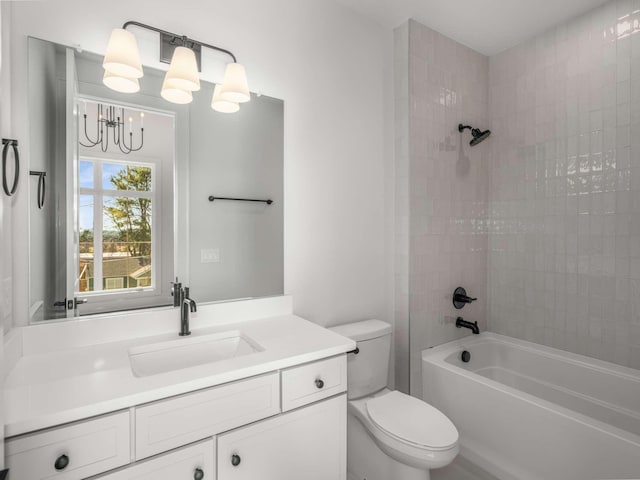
(319, 383)
(235, 460)
(460, 298)
(466, 356)
(61, 462)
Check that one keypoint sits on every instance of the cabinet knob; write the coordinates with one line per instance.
(198, 474)
(319, 383)
(235, 460)
(61, 462)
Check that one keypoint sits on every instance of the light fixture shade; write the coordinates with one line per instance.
(234, 86)
(175, 95)
(122, 57)
(120, 84)
(183, 71)
(221, 105)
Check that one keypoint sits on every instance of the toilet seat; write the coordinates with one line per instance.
(412, 421)
(400, 449)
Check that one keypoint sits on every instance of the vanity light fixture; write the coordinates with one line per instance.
(175, 95)
(219, 104)
(120, 83)
(183, 71)
(234, 87)
(123, 68)
(122, 57)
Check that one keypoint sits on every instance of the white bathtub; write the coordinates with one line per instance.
(526, 411)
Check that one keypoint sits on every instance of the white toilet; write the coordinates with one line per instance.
(390, 435)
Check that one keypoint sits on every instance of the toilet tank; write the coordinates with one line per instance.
(367, 370)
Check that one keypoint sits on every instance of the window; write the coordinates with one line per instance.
(117, 213)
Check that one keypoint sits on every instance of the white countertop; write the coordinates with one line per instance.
(48, 389)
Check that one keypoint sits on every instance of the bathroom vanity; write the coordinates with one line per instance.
(269, 403)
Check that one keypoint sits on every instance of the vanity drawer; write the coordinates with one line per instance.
(313, 381)
(168, 424)
(181, 464)
(90, 447)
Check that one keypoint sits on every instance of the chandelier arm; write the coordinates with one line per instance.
(116, 129)
(123, 150)
(141, 141)
(86, 134)
(104, 145)
(100, 122)
(122, 145)
(92, 144)
(122, 137)
(184, 38)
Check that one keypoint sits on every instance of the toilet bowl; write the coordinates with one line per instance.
(390, 435)
(407, 429)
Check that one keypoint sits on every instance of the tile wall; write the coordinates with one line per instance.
(448, 188)
(564, 240)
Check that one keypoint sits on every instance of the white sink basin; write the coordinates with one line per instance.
(189, 352)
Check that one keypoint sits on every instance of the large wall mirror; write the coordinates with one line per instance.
(121, 186)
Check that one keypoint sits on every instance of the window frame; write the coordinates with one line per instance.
(101, 298)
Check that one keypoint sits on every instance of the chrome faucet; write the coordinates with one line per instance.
(181, 299)
(188, 305)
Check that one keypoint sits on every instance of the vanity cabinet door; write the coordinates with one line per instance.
(195, 462)
(71, 452)
(309, 444)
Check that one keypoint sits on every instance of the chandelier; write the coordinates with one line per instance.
(110, 123)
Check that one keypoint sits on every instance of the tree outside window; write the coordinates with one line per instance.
(115, 216)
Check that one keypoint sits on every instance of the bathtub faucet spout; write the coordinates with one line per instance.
(473, 326)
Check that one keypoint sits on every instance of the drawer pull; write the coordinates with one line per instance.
(235, 460)
(319, 383)
(61, 462)
(198, 474)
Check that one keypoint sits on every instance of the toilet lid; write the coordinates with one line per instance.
(412, 420)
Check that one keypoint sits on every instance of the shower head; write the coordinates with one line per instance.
(477, 134)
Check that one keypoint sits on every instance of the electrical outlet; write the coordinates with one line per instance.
(209, 255)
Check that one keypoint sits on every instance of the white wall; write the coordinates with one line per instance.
(6, 204)
(5, 215)
(332, 68)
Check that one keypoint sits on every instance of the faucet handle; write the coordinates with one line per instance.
(460, 298)
(176, 287)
